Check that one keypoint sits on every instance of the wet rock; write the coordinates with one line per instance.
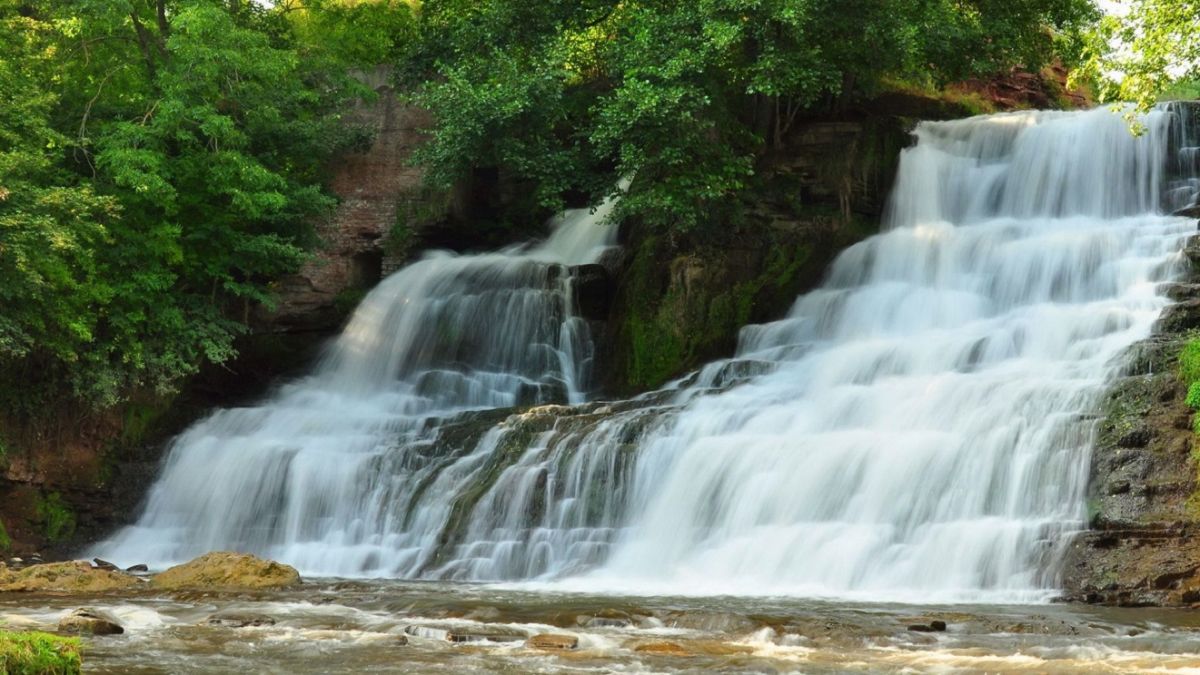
(1192, 211)
(64, 577)
(91, 622)
(712, 622)
(105, 565)
(1180, 317)
(938, 625)
(604, 622)
(401, 640)
(661, 649)
(553, 642)
(473, 636)
(427, 632)
(921, 628)
(141, 567)
(227, 570)
(231, 620)
(1138, 438)
(594, 291)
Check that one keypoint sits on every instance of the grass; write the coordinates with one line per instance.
(38, 654)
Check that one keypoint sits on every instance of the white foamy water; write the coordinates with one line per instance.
(916, 428)
(920, 435)
(310, 475)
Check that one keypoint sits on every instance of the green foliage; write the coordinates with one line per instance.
(1189, 362)
(160, 164)
(5, 540)
(1193, 396)
(58, 521)
(34, 653)
(683, 95)
(1144, 53)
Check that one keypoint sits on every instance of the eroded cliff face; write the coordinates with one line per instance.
(377, 188)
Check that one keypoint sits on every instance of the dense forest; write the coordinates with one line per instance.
(162, 162)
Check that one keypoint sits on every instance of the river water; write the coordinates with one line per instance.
(330, 626)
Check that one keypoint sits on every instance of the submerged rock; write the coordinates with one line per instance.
(662, 649)
(427, 632)
(227, 570)
(64, 577)
(552, 642)
(231, 620)
(90, 621)
(472, 636)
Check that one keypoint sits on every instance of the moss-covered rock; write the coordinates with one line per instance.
(35, 653)
(682, 298)
(225, 570)
(64, 577)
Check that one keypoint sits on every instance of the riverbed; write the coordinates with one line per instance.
(336, 626)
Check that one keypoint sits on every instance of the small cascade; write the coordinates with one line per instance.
(324, 472)
(915, 429)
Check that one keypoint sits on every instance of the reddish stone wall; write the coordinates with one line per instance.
(372, 187)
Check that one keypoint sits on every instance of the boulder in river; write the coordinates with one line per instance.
(64, 577)
(90, 621)
(227, 570)
(553, 642)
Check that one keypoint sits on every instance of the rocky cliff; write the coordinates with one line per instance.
(1143, 547)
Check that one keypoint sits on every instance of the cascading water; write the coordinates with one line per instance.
(314, 475)
(917, 428)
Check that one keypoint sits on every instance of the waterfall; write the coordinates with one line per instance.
(916, 428)
(312, 475)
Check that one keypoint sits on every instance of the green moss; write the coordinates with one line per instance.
(347, 299)
(58, 521)
(39, 654)
(674, 333)
(1189, 362)
(5, 540)
(1189, 374)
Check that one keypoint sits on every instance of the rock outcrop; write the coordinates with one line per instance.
(225, 570)
(64, 577)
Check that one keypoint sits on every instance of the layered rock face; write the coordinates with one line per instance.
(1144, 545)
(377, 187)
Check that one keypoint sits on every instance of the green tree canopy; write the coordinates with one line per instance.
(1136, 55)
(571, 95)
(161, 162)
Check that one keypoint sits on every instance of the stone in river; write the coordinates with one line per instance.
(90, 621)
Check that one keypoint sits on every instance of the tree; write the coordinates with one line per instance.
(569, 96)
(1137, 55)
(162, 162)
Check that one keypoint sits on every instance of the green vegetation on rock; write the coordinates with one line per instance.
(34, 653)
(57, 518)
